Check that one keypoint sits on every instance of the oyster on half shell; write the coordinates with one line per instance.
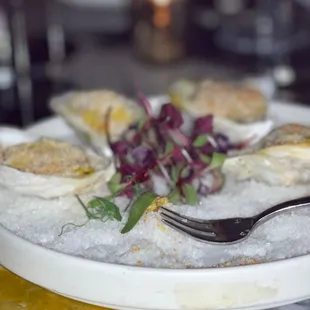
(49, 168)
(239, 112)
(238, 103)
(86, 113)
(281, 158)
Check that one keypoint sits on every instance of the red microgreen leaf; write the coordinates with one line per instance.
(203, 125)
(170, 116)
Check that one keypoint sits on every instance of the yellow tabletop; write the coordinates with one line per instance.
(17, 294)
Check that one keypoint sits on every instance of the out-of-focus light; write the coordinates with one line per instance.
(284, 75)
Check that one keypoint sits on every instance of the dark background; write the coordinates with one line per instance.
(49, 47)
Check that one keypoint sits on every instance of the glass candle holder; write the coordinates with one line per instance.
(159, 31)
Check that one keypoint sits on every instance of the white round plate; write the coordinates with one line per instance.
(124, 287)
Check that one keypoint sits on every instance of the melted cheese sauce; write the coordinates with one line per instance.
(96, 120)
(17, 294)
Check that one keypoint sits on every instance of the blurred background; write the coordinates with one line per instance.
(51, 46)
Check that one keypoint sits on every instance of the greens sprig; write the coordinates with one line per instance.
(156, 145)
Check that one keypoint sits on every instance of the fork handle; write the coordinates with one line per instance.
(281, 208)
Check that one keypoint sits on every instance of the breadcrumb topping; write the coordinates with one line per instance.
(48, 157)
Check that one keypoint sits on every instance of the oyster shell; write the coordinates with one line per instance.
(281, 158)
(85, 112)
(238, 133)
(49, 168)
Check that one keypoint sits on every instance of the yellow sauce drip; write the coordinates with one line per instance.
(17, 294)
(82, 171)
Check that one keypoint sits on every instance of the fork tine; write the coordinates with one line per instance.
(210, 239)
(187, 229)
(191, 222)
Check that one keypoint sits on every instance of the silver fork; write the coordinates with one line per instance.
(226, 231)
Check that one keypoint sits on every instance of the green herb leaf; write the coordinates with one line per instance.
(175, 173)
(190, 194)
(174, 196)
(140, 124)
(102, 208)
(217, 160)
(169, 147)
(200, 141)
(137, 210)
(115, 183)
(205, 159)
(185, 172)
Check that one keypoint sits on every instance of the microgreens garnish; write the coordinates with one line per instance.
(156, 145)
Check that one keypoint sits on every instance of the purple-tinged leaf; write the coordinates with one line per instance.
(143, 155)
(171, 116)
(120, 148)
(128, 170)
(207, 149)
(179, 138)
(177, 155)
(222, 143)
(202, 126)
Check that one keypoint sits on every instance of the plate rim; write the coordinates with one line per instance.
(127, 286)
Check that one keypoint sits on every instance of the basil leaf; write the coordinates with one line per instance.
(174, 196)
(101, 207)
(217, 160)
(200, 141)
(137, 210)
(190, 194)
